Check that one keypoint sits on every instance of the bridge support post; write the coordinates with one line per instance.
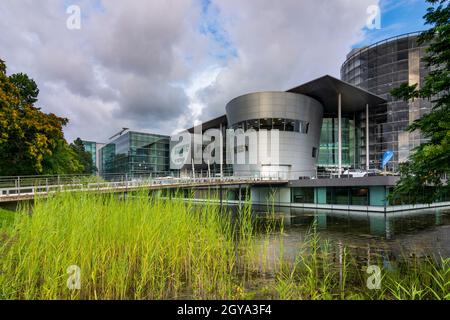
(240, 196)
(220, 195)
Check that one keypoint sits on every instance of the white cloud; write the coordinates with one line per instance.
(200, 82)
(161, 64)
(282, 44)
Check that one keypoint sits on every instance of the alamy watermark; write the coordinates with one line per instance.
(374, 280)
(374, 18)
(247, 147)
(74, 279)
(73, 22)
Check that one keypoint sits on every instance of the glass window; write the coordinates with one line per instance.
(303, 195)
(341, 196)
(253, 124)
(273, 123)
(278, 124)
(290, 125)
(360, 196)
(266, 124)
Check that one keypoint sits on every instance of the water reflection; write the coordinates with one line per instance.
(409, 233)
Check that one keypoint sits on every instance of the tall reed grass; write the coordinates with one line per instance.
(139, 248)
(320, 272)
(6, 218)
(147, 247)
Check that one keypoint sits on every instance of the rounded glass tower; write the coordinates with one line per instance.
(379, 68)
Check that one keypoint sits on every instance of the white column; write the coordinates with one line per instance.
(367, 138)
(339, 135)
(221, 151)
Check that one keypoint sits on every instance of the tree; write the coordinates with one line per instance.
(28, 90)
(84, 157)
(64, 160)
(430, 161)
(30, 140)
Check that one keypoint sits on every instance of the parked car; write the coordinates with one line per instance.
(355, 173)
(374, 172)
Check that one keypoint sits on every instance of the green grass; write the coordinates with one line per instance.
(126, 249)
(148, 248)
(6, 218)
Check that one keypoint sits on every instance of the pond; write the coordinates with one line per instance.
(174, 249)
(420, 233)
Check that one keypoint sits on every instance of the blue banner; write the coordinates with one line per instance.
(386, 158)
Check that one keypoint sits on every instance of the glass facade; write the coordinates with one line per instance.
(273, 124)
(91, 147)
(302, 195)
(328, 154)
(357, 196)
(136, 154)
(348, 196)
(380, 68)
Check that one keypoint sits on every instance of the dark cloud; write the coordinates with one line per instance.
(159, 65)
(149, 100)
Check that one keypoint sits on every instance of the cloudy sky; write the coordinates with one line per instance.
(158, 66)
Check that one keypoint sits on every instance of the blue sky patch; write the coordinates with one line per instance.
(397, 17)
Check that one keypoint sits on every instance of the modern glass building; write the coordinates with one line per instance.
(379, 68)
(91, 147)
(136, 154)
(359, 119)
(329, 124)
(318, 126)
(328, 154)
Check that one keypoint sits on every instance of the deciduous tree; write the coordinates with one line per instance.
(84, 157)
(31, 141)
(430, 162)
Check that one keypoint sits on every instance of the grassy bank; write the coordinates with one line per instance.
(6, 218)
(125, 249)
(148, 248)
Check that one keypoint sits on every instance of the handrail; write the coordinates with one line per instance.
(129, 184)
(48, 183)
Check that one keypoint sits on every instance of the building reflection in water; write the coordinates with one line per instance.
(397, 233)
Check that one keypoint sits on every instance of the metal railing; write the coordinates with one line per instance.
(29, 185)
(20, 185)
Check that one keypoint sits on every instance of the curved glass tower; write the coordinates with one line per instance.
(379, 68)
